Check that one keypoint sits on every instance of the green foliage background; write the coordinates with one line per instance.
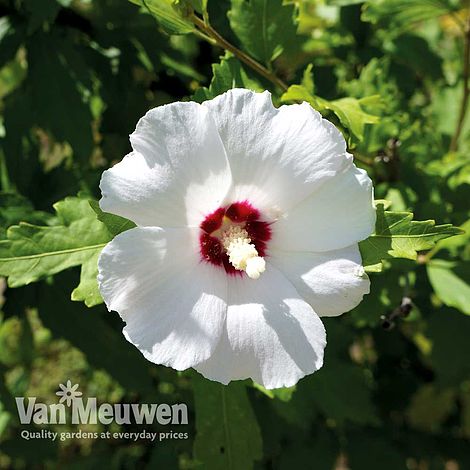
(76, 75)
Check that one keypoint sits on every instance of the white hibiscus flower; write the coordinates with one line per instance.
(248, 219)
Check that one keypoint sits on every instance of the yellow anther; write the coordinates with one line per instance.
(242, 254)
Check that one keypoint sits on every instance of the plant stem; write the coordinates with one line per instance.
(209, 31)
(454, 145)
(363, 159)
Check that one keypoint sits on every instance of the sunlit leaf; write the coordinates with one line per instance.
(167, 13)
(87, 291)
(349, 111)
(397, 235)
(114, 223)
(264, 27)
(451, 282)
(226, 75)
(32, 252)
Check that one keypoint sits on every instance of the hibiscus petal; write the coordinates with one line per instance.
(335, 216)
(177, 174)
(332, 282)
(272, 336)
(277, 156)
(173, 304)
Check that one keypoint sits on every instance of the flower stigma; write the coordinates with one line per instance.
(242, 254)
(235, 238)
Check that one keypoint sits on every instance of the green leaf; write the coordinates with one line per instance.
(32, 252)
(228, 435)
(114, 223)
(349, 111)
(60, 109)
(397, 235)
(181, 67)
(226, 75)
(455, 244)
(264, 27)
(283, 394)
(451, 282)
(400, 15)
(169, 16)
(199, 5)
(87, 291)
(307, 79)
(453, 167)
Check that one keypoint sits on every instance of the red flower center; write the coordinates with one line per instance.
(242, 214)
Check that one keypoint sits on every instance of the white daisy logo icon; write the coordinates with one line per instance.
(68, 393)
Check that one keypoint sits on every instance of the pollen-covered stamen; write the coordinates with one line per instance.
(242, 254)
(240, 215)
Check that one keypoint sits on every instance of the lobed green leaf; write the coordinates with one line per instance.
(349, 111)
(397, 235)
(114, 223)
(33, 252)
(226, 75)
(168, 15)
(87, 291)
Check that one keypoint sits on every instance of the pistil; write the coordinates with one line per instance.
(242, 254)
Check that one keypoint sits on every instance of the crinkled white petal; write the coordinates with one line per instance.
(332, 282)
(337, 215)
(277, 156)
(177, 173)
(174, 306)
(271, 336)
